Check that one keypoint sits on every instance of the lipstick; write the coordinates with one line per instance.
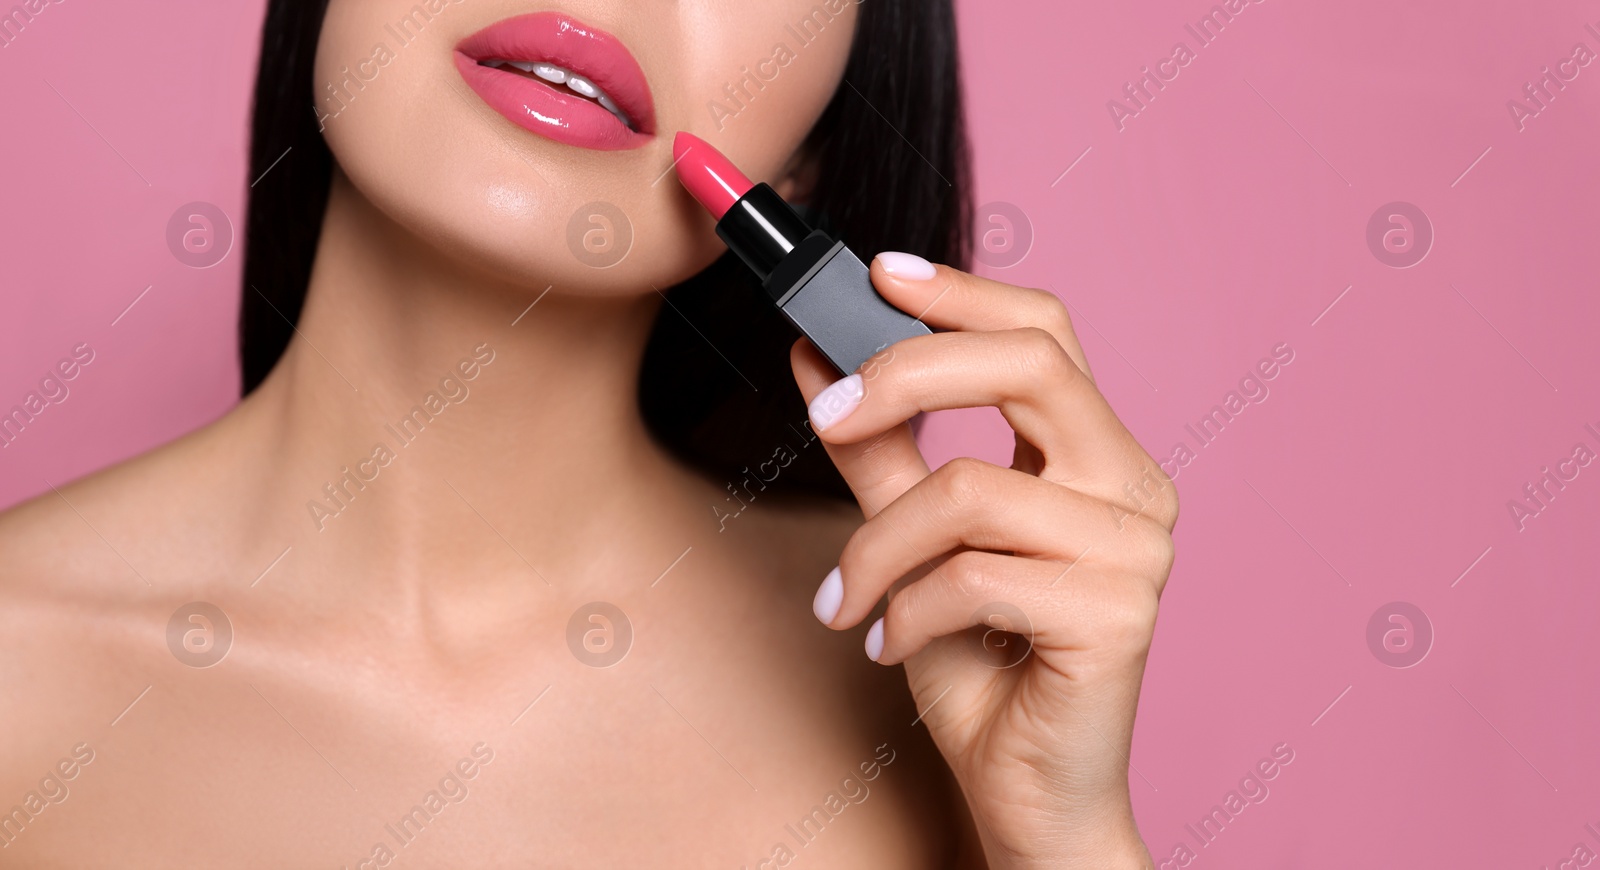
(824, 289)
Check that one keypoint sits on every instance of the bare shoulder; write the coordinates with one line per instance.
(803, 537)
(91, 571)
(802, 531)
(103, 535)
(796, 540)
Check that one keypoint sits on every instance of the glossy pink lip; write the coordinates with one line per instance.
(551, 110)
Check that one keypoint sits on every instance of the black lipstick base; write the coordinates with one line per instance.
(823, 288)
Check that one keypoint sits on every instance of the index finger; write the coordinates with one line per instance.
(949, 298)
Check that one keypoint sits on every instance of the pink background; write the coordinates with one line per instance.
(1222, 221)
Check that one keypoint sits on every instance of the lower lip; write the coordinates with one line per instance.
(539, 108)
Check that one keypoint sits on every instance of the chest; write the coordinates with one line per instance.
(553, 763)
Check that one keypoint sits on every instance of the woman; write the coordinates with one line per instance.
(506, 557)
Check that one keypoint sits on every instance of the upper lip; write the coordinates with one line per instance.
(557, 39)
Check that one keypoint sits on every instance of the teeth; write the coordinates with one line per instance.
(582, 86)
(605, 102)
(558, 76)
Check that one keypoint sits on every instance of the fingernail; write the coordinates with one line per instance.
(875, 640)
(836, 402)
(829, 596)
(908, 266)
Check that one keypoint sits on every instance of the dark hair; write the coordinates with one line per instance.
(715, 388)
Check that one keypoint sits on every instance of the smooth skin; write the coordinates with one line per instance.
(374, 651)
(1072, 542)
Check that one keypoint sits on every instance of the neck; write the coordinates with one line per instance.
(427, 422)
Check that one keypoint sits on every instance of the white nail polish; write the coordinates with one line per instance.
(908, 266)
(830, 596)
(875, 640)
(837, 402)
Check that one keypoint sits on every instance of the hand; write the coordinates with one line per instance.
(1069, 548)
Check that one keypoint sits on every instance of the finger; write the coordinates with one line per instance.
(1022, 596)
(1023, 372)
(952, 299)
(878, 469)
(973, 504)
